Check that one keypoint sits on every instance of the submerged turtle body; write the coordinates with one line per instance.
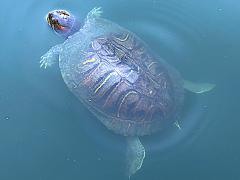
(116, 75)
(120, 80)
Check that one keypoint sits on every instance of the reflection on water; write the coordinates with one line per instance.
(47, 134)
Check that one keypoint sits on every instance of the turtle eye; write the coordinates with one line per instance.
(54, 22)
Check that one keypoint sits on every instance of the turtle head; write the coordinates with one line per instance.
(62, 22)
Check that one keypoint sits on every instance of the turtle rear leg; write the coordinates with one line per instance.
(51, 57)
(198, 87)
(135, 155)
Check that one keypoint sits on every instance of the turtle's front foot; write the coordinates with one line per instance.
(95, 13)
(47, 60)
(51, 56)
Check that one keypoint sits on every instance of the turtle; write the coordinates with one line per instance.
(117, 76)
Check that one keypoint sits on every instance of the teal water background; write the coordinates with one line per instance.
(47, 134)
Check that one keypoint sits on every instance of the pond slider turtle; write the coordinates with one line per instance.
(115, 74)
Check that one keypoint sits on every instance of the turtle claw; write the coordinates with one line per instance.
(46, 61)
(95, 13)
(51, 57)
(178, 125)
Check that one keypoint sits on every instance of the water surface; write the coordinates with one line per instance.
(47, 134)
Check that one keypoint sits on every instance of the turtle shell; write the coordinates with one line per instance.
(121, 81)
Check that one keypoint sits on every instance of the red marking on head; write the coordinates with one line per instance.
(62, 28)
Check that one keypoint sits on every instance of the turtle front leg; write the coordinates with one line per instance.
(51, 57)
(94, 13)
(91, 17)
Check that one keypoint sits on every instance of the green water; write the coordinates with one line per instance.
(47, 134)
